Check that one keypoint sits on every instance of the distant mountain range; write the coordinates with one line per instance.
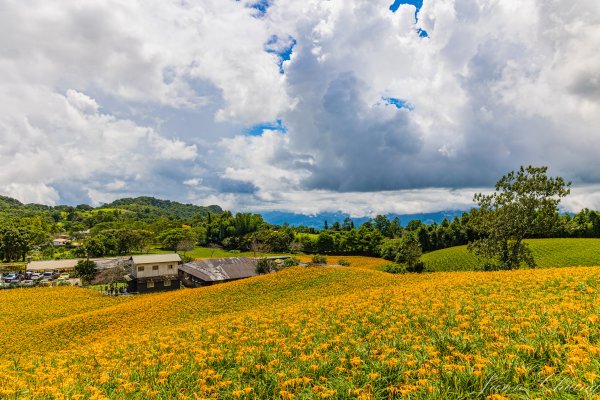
(150, 207)
(318, 220)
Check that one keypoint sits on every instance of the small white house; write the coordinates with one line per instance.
(57, 242)
(155, 272)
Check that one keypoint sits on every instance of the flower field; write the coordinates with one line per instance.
(311, 333)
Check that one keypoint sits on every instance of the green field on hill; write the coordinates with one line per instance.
(547, 253)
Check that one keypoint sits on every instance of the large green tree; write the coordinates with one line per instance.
(85, 270)
(524, 204)
(174, 238)
(410, 252)
(15, 242)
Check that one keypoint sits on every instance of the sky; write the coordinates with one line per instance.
(360, 106)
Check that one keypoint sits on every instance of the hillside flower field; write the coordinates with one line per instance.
(312, 333)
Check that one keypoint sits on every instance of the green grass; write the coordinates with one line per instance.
(547, 253)
(451, 259)
(205, 252)
(308, 235)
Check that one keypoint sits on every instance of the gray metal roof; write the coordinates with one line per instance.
(51, 265)
(156, 258)
(220, 269)
(108, 263)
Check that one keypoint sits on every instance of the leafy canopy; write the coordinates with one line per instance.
(86, 270)
(524, 204)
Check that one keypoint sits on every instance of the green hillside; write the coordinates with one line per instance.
(547, 253)
(145, 204)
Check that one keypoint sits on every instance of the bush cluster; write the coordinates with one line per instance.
(319, 259)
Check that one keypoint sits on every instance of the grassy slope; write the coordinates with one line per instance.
(547, 253)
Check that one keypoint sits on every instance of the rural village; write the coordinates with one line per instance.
(300, 200)
(142, 273)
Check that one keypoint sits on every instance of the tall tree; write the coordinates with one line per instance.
(524, 204)
(85, 270)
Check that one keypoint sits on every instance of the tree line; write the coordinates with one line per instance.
(136, 225)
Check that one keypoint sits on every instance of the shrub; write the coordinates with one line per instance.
(186, 258)
(394, 268)
(265, 266)
(487, 266)
(402, 268)
(291, 262)
(344, 263)
(418, 267)
(319, 259)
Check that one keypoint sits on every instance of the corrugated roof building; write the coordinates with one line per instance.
(216, 270)
(67, 265)
(52, 265)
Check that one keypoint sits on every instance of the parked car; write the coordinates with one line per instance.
(27, 282)
(45, 282)
(64, 275)
(10, 277)
(48, 275)
(14, 282)
(36, 276)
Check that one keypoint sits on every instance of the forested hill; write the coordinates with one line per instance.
(6, 202)
(117, 228)
(143, 206)
(146, 204)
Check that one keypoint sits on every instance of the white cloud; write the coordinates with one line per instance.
(115, 185)
(497, 84)
(30, 193)
(359, 204)
(192, 182)
(48, 138)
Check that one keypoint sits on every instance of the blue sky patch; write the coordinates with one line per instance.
(261, 6)
(397, 3)
(399, 103)
(257, 130)
(418, 4)
(282, 48)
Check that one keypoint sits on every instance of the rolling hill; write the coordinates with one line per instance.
(309, 333)
(547, 253)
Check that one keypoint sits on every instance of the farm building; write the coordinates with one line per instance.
(69, 265)
(217, 270)
(60, 242)
(52, 265)
(154, 272)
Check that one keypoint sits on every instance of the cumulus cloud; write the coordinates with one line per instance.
(495, 85)
(48, 138)
(370, 108)
(62, 63)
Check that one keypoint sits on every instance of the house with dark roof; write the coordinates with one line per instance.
(216, 270)
(154, 272)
